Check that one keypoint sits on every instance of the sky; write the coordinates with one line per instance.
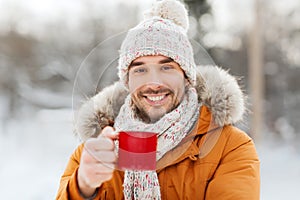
(34, 16)
(227, 12)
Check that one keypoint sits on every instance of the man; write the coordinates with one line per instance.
(200, 154)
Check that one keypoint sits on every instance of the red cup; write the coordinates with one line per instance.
(137, 150)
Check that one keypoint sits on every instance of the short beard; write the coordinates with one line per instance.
(143, 115)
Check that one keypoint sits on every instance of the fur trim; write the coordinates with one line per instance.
(220, 92)
(216, 89)
(100, 111)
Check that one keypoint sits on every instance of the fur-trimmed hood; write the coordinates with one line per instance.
(216, 89)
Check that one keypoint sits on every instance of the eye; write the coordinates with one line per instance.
(139, 70)
(167, 67)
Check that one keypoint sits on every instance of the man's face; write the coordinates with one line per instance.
(157, 86)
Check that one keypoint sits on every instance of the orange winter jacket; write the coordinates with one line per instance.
(212, 163)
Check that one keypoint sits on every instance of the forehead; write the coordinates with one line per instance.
(151, 59)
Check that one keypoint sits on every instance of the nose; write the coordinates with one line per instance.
(154, 78)
(154, 86)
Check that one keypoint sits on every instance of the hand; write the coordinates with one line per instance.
(97, 161)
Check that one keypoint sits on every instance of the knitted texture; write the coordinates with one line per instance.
(171, 129)
(164, 33)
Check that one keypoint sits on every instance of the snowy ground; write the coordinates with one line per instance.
(34, 153)
(280, 170)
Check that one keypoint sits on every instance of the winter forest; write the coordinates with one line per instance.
(56, 54)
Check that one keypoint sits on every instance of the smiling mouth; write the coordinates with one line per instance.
(155, 98)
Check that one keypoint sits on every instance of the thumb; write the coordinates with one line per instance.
(109, 132)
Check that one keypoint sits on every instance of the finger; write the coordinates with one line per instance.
(109, 132)
(98, 179)
(99, 168)
(104, 168)
(105, 156)
(99, 144)
(103, 177)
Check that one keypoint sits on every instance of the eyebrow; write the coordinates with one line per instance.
(137, 63)
(167, 60)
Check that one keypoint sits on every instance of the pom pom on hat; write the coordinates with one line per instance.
(172, 10)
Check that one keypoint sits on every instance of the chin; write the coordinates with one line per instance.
(152, 114)
(154, 117)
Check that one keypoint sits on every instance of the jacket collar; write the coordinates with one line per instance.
(222, 99)
(191, 147)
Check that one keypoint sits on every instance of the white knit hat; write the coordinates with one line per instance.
(163, 32)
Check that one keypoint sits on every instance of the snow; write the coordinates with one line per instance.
(35, 151)
(280, 170)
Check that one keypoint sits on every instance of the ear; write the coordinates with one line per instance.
(186, 82)
(126, 83)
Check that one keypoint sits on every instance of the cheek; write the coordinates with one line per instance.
(177, 81)
(172, 80)
(134, 84)
(134, 99)
(180, 87)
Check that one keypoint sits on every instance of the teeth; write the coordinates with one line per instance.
(157, 98)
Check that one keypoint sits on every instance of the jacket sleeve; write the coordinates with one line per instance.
(68, 183)
(238, 174)
(68, 188)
